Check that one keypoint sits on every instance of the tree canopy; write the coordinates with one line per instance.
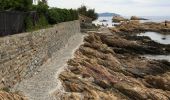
(19, 5)
(44, 15)
(88, 12)
(57, 15)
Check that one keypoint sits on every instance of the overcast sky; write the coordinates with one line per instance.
(123, 7)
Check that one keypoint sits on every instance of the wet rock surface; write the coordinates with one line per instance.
(109, 67)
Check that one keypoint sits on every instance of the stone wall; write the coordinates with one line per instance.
(21, 55)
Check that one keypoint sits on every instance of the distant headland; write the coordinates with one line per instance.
(106, 14)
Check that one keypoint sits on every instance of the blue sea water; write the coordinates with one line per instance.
(151, 19)
(157, 37)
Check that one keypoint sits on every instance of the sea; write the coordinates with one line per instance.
(108, 20)
(157, 37)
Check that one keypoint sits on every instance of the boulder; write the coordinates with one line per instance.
(118, 19)
(137, 18)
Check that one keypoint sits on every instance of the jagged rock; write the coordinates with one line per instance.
(99, 72)
(134, 26)
(85, 89)
(118, 19)
(137, 18)
(140, 92)
(11, 96)
(159, 81)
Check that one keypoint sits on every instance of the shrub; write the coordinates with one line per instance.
(42, 22)
(19, 5)
(53, 16)
(44, 15)
(88, 12)
(41, 8)
(57, 15)
(30, 24)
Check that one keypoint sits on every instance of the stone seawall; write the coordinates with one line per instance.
(21, 55)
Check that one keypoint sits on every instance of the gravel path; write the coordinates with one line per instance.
(43, 85)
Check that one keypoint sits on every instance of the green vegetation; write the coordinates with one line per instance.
(40, 15)
(41, 8)
(30, 24)
(19, 5)
(88, 12)
(57, 15)
(44, 16)
(42, 21)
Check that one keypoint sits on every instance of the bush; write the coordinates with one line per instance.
(57, 15)
(74, 14)
(41, 8)
(53, 16)
(88, 12)
(44, 15)
(19, 5)
(42, 22)
(30, 24)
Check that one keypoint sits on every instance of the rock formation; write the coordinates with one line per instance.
(106, 67)
(10, 96)
(134, 26)
(118, 19)
(137, 18)
(110, 66)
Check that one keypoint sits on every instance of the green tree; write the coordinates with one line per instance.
(57, 15)
(82, 10)
(91, 13)
(88, 12)
(5, 4)
(41, 7)
(53, 16)
(44, 1)
(18, 5)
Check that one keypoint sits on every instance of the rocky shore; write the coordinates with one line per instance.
(110, 67)
(134, 26)
(118, 19)
(11, 96)
(137, 18)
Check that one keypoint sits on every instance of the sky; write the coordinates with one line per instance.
(122, 7)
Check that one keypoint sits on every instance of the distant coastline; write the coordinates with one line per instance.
(150, 19)
(107, 14)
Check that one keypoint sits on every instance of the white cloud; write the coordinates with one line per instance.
(124, 7)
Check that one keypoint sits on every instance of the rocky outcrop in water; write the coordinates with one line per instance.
(137, 18)
(106, 67)
(135, 26)
(118, 19)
